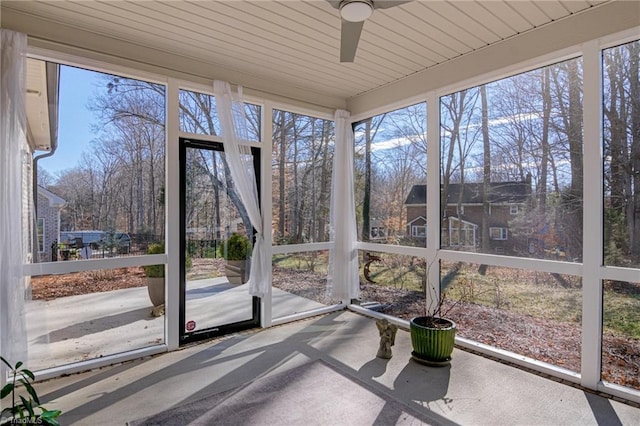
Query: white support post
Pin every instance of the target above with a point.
(172, 218)
(266, 190)
(433, 193)
(592, 217)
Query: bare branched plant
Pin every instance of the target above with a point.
(435, 309)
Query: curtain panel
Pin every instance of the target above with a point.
(343, 283)
(233, 123)
(13, 134)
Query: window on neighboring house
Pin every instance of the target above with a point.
(40, 233)
(377, 232)
(419, 231)
(513, 210)
(498, 233)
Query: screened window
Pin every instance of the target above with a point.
(511, 309)
(390, 175)
(101, 194)
(511, 153)
(621, 108)
(302, 167)
(109, 166)
(303, 277)
(198, 115)
(621, 146)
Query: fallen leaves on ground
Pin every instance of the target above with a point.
(47, 287)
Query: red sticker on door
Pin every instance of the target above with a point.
(191, 325)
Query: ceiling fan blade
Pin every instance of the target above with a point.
(377, 4)
(349, 38)
(386, 4)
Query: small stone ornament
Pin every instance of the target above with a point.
(387, 338)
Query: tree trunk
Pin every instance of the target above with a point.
(456, 107)
(544, 161)
(574, 133)
(486, 171)
(325, 187)
(634, 93)
(366, 202)
(282, 175)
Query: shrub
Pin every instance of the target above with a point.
(155, 271)
(237, 247)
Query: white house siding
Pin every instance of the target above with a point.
(49, 206)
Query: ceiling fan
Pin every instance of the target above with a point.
(353, 14)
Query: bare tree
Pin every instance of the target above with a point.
(567, 85)
(622, 154)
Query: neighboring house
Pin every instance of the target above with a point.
(47, 222)
(41, 107)
(462, 221)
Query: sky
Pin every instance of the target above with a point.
(75, 119)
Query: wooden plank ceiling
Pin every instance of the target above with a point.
(297, 42)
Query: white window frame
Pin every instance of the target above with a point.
(415, 231)
(514, 209)
(40, 234)
(503, 233)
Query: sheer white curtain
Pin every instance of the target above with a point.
(13, 125)
(343, 282)
(233, 123)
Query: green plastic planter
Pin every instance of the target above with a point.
(432, 344)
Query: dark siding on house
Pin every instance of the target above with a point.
(502, 196)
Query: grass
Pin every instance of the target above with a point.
(621, 310)
(538, 294)
(394, 271)
(541, 295)
(317, 262)
(525, 292)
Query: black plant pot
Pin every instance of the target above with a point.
(432, 339)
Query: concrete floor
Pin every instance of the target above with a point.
(471, 391)
(77, 328)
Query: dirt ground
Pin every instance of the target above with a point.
(549, 341)
(49, 287)
(544, 340)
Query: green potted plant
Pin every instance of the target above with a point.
(155, 276)
(432, 335)
(236, 251)
(23, 411)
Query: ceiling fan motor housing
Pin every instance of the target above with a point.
(356, 10)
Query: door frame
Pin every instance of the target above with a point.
(207, 333)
